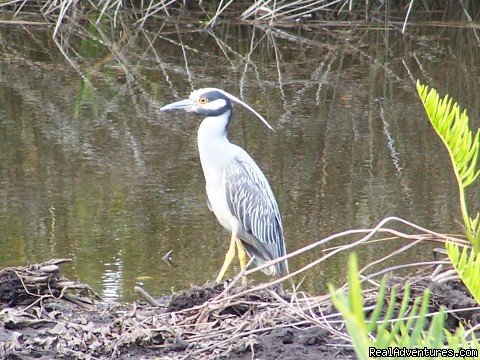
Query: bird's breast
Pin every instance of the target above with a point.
(216, 154)
(218, 202)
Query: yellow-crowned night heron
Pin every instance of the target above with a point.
(237, 191)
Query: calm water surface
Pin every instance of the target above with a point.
(91, 170)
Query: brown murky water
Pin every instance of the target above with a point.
(91, 170)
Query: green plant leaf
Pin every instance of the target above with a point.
(406, 330)
(372, 324)
(467, 265)
(351, 308)
(451, 125)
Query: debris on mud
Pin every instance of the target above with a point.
(44, 316)
(27, 285)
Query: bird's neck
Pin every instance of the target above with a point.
(213, 144)
(213, 129)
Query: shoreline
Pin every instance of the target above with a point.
(49, 316)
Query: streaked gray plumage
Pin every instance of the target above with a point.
(237, 191)
(251, 200)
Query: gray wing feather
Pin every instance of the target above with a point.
(251, 200)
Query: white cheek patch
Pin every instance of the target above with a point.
(214, 105)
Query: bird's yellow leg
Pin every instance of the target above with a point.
(242, 256)
(228, 257)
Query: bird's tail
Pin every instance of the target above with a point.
(282, 268)
(278, 269)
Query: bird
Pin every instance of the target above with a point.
(238, 192)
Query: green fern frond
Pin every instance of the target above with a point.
(460, 340)
(467, 265)
(386, 332)
(463, 147)
(409, 332)
(351, 308)
(452, 127)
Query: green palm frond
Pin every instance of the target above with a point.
(463, 147)
(467, 265)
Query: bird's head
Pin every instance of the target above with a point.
(207, 102)
(210, 102)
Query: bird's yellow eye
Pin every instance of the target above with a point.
(203, 100)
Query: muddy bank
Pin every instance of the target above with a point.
(45, 316)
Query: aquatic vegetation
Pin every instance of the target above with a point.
(452, 126)
(211, 12)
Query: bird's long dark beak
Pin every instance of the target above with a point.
(182, 104)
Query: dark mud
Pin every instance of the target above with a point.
(44, 316)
